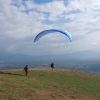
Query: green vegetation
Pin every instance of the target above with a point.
(44, 84)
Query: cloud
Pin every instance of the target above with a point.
(22, 20)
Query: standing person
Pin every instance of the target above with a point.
(52, 65)
(26, 70)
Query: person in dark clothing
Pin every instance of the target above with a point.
(26, 70)
(52, 65)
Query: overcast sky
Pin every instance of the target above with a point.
(22, 20)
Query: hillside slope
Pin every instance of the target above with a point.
(45, 84)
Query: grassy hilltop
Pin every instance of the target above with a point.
(45, 84)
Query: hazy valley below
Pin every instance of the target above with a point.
(87, 61)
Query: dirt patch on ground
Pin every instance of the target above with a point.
(51, 95)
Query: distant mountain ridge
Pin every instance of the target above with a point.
(79, 55)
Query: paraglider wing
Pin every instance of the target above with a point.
(51, 31)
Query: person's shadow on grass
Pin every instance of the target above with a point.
(1, 72)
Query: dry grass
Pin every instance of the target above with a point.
(45, 84)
